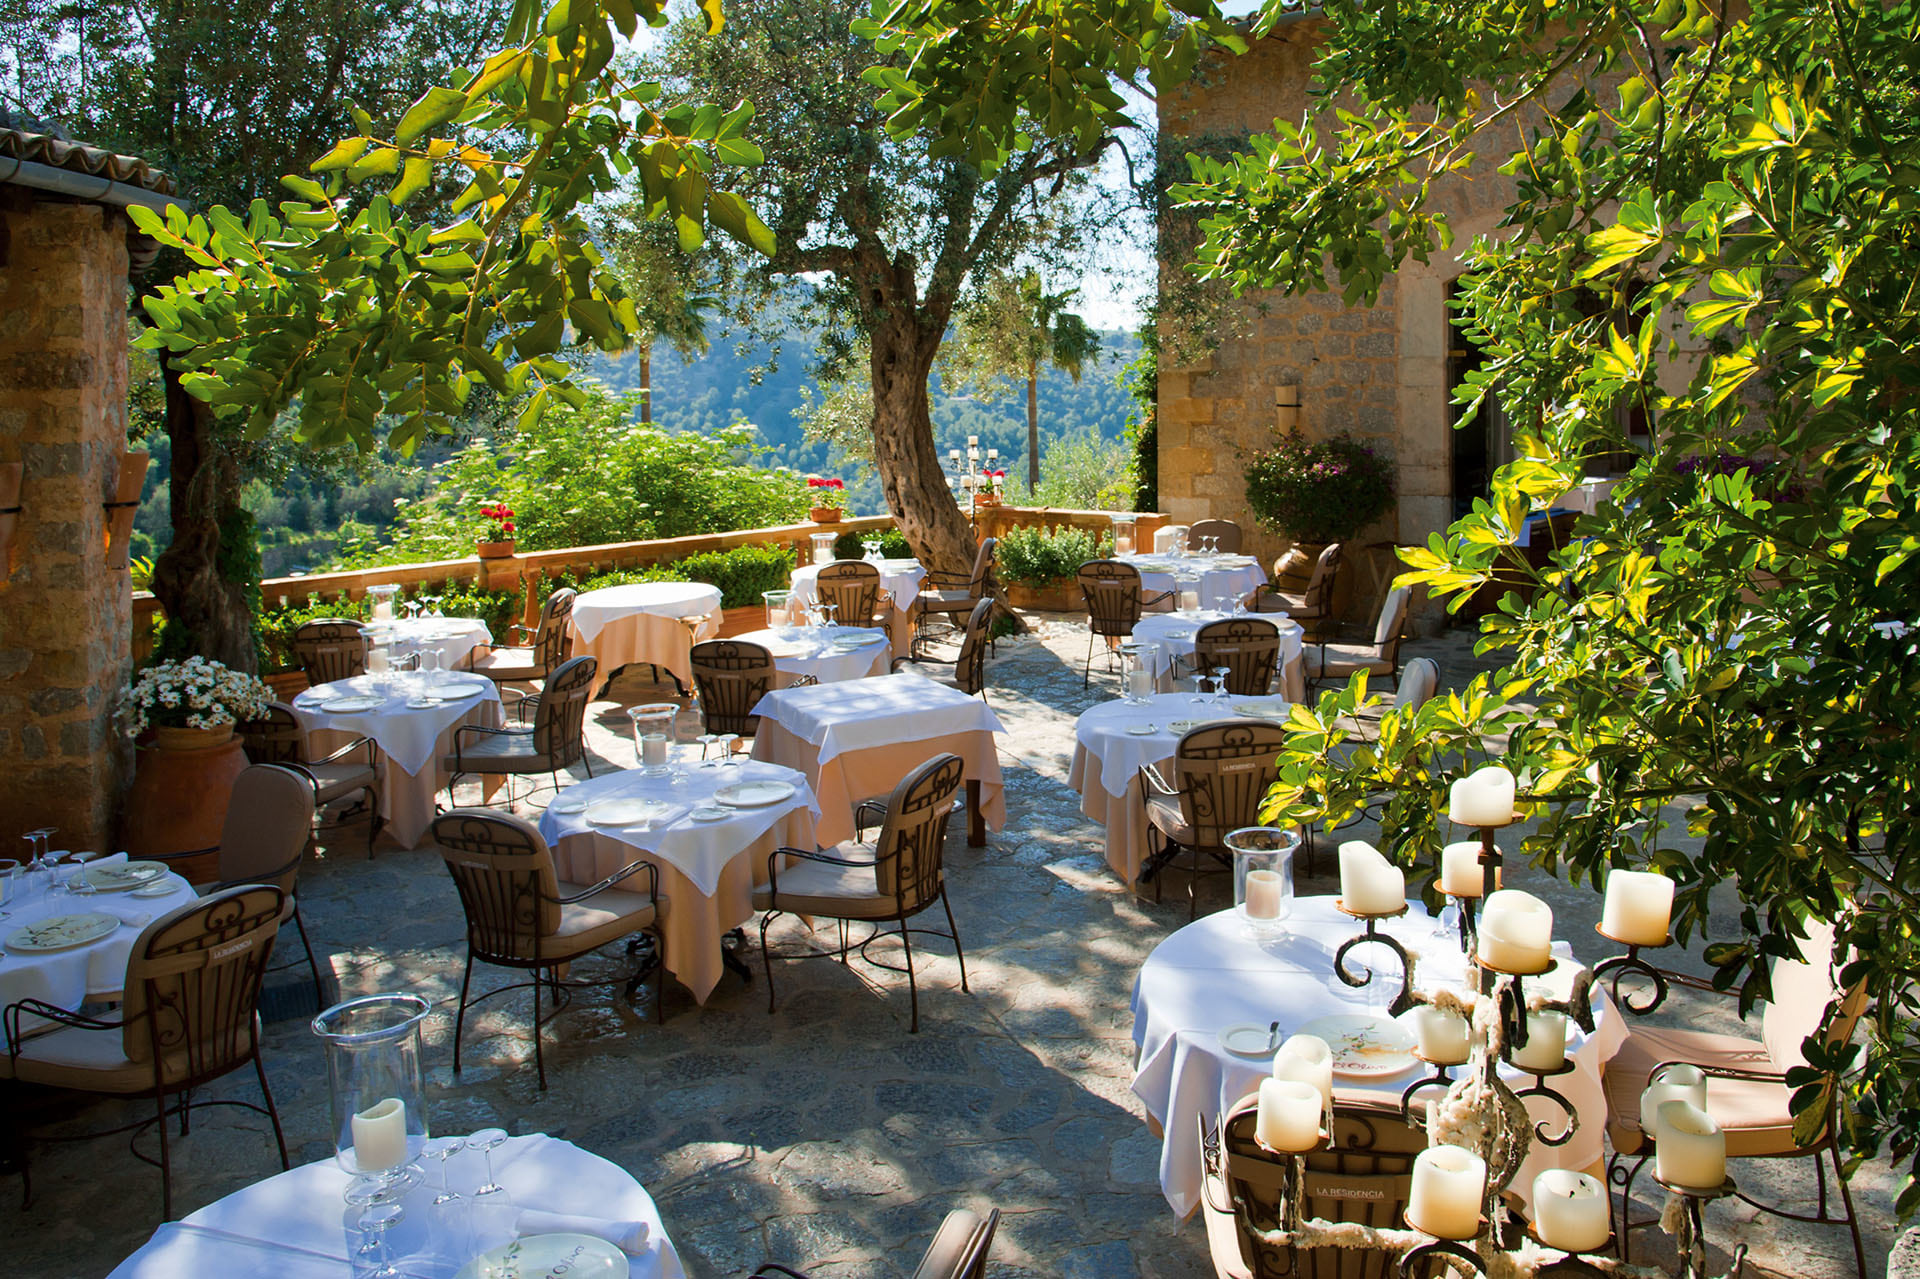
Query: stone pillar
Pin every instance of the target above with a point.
(64, 618)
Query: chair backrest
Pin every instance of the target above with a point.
(1319, 593)
(560, 723)
(1418, 682)
(1248, 647)
(1165, 536)
(853, 587)
(1390, 624)
(503, 871)
(1112, 591)
(269, 821)
(982, 566)
(193, 984)
(1224, 771)
(731, 676)
(276, 737)
(970, 668)
(1803, 991)
(907, 854)
(1226, 530)
(959, 1248)
(553, 636)
(330, 648)
(1365, 1176)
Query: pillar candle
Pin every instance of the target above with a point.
(1483, 799)
(1140, 683)
(972, 440)
(1516, 932)
(377, 660)
(1546, 1046)
(1369, 884)
(1444, 1037)
(1448, 1184)
(1676, 1083)
(1570, 1211)
(1460, 870)
(653, 750)
(1263, 895)
(1289, 1115)
(1639, 907)
(1689, 1148)
(1306, 1059)
(380, 1135)
(383, 610)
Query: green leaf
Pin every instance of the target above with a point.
(433, 108)
(305, 188)
(414, 177)
(343, 154)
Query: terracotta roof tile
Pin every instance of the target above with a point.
(41, 148)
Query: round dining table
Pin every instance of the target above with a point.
(1215, 974)
(449, 639)
(412, 719)
(900, 579)
(1172, 636)
(1214, 577)
(830, 654)
(655, 623)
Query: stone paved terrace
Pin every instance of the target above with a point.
(824, 1135)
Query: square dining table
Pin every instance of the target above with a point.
(856, 740)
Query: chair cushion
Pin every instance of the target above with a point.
(608, 915)
(509, 663)
(498, 753)
(1343, 659)
(87, 1060)
(331, 781)
(947, 601)
(820, 888)
(1754, 1115)
(1164, 815)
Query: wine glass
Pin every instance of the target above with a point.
(77, 882)
(451, 1214)
(728, 763)
(492, 1209)
(374, 1201)
(9, 881)
(1220, 674)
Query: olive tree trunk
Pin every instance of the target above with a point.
(904, 448)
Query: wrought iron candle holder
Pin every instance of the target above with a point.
(1415, 1260)
(1691, 1239)
(1440, 1078)
(1373, 936)
(1576, 1265)
(1491, 861)
(1620, 967)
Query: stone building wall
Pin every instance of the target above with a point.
(64, 618)
(1377, 372)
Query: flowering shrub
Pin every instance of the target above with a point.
(1319, 490)
(830, 493)
(500, 516)
(996, 482)
(195, 693)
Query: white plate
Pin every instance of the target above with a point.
(626, 812)
(568, 802)
(62, 932)
(1142, 730)
(119, 878)
(424, 703)
(1364, 1046)
(709, 814)
(358, 703)
(548, 1257)
(1250, 1040)
(1180, 726)
(161, 889)
(1262, 710)
(753, 794)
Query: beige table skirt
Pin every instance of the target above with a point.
(852, 776)
(1123, 816)
(694, 922)
(665, 642)
(407, 799)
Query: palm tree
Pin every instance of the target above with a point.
(664, 283)
(1013, 328)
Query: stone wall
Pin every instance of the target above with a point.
(63, 616)
(1377, 372)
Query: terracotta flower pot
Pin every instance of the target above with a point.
(168, 738)
(178, 802)
(825, 514)
(494, 550)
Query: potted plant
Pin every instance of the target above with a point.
(1037, 567)
(496, 543)
(992, 487)
(193, 703)
(1317, 492)
(829, 499)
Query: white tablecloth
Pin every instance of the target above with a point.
(451, 637)
(1212, 974)
(883, 711)
(1234, 576)
(1172, 636)
(1104, 731)
(594, 609)
(901, 578)
(291, 1226)
(66, 978)
(642, 622)
(806, 651)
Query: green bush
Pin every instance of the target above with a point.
(741, 573)
(276, 623)
(1033, 557)
(893, 545)
(1319, 490)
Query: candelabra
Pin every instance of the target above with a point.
(965, 475)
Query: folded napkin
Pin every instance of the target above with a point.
(628, 1236)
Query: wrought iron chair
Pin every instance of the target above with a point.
(189, 1016)
(521, 915)
(853, 588)
(958, 1251)
(1313, 607)
(1327, 662)
(1248, 647)
(1226, 531)
(954, 596)
(540, 652)
(731, 676)
(1223, 770)
(970, 664)
(1364, 1176)
(887, 882)
(556, 739)
(1114, 599)
(277, 738)
(330, 648)
(1747, 1090)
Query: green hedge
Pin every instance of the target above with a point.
(276, 623)
(893, 545)
(1032, 557)
(741, 574)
